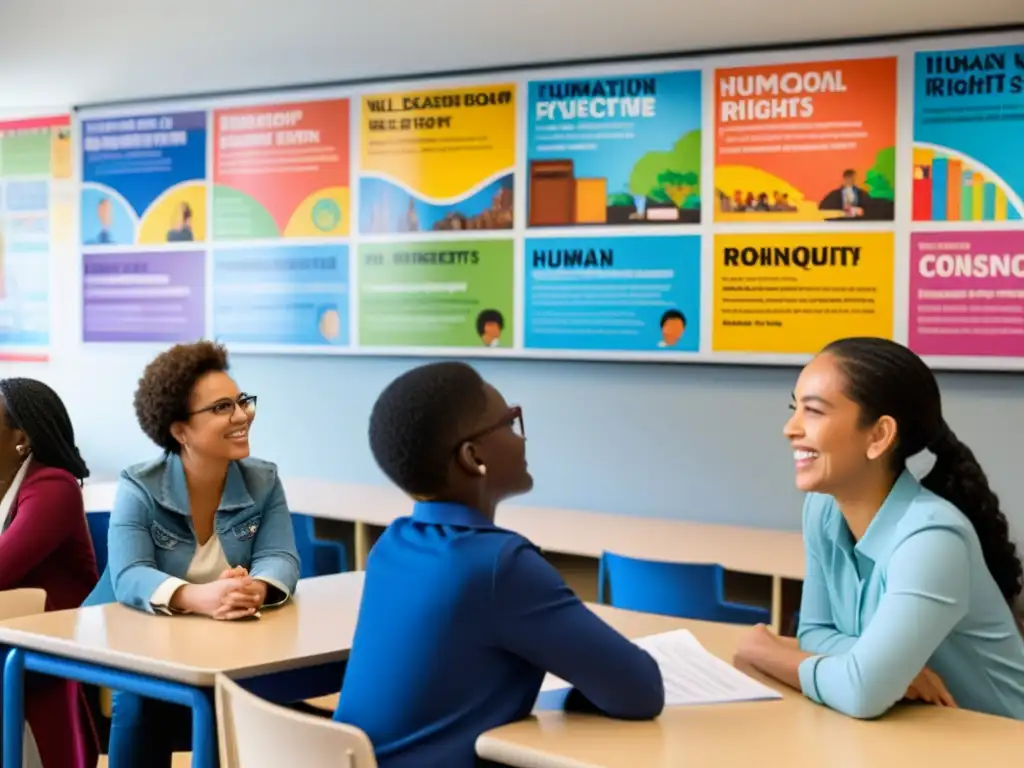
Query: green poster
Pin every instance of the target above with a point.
(25, 153)
(436, 294)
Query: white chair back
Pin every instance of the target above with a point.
(253, 733)
(15, 603)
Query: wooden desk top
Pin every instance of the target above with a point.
(317, 627)
(794, 732)
(749, 550)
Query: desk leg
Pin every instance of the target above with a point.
(777, 604)
(14, 709)
(204, 733)
(204, 729)
(361, 545)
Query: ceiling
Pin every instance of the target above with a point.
(59, 52)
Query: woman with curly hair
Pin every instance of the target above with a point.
(910, 584)
(204, 529)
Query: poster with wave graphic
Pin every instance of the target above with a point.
(281, 171)
(440, 160)
(144, 179)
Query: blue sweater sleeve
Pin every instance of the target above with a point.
(817, 632)
(543, 621)
(926, 596)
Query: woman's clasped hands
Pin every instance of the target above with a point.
(234, 595)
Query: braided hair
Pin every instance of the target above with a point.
(887, 379)
(38, 411)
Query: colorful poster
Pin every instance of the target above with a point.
(436, 294)
(144, 179)
(281, 170)
(33, 154)
(144, 296)
(967, 294)
(613, 151)
(283, 295)
(968, 123)
(814, 141)
(794, 293)
(438, 160)
(631, 294)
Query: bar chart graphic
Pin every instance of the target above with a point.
(949, 186)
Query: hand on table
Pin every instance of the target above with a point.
(245, 600)
(235, 595)
(929, 688)
(752, 641)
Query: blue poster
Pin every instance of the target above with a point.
(968, 123)
(295, 295)
(627, 294)
(144, 180)
(615, 151)
(24, 264)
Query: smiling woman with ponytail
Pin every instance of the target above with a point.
(910, 584)
(45, 544)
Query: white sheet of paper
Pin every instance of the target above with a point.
(692, 675)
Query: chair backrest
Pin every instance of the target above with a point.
(21, 602)
(98, 523)
(254, 733)
(673, 589)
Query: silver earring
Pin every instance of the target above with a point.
(21, 450)
(481, 469)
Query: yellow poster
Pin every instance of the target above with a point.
(794, 293)
(440, 160)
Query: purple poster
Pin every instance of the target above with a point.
(144, 296)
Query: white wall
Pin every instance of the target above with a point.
(690, 441)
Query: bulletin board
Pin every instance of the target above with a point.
(743, 209)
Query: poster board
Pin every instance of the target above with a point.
(36, 210)
(742, 209)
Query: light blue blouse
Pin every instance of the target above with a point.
(913, 592)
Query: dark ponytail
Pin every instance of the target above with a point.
(958, 478)
(887, 379)
(38, 411)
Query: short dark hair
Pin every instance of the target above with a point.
(418, 420)
(673, 314)
(38, 411)
(887, 379)
(162, 397)
(489, 316)
(849, 172)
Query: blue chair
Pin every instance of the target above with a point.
(98, 523)
(684, 590)
(319, 557)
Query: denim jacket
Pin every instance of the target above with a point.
(151, 535)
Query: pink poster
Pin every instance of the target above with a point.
(967, 294)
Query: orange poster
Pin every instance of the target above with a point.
(814, 141)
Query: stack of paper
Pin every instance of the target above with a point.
(692, 675)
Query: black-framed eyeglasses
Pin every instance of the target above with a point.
(226, 406)
(513, 418)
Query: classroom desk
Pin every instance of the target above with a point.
(777, 554)
(794, 732)
(284, 653)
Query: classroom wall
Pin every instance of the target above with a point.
(694, 442)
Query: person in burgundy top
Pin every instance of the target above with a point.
(45, 543)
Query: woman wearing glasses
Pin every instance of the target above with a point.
(488, 614)
(204, 529)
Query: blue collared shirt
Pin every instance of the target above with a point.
(151, 536)
(458, 624)
(913, 592)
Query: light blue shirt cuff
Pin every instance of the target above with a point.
(808, 670)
